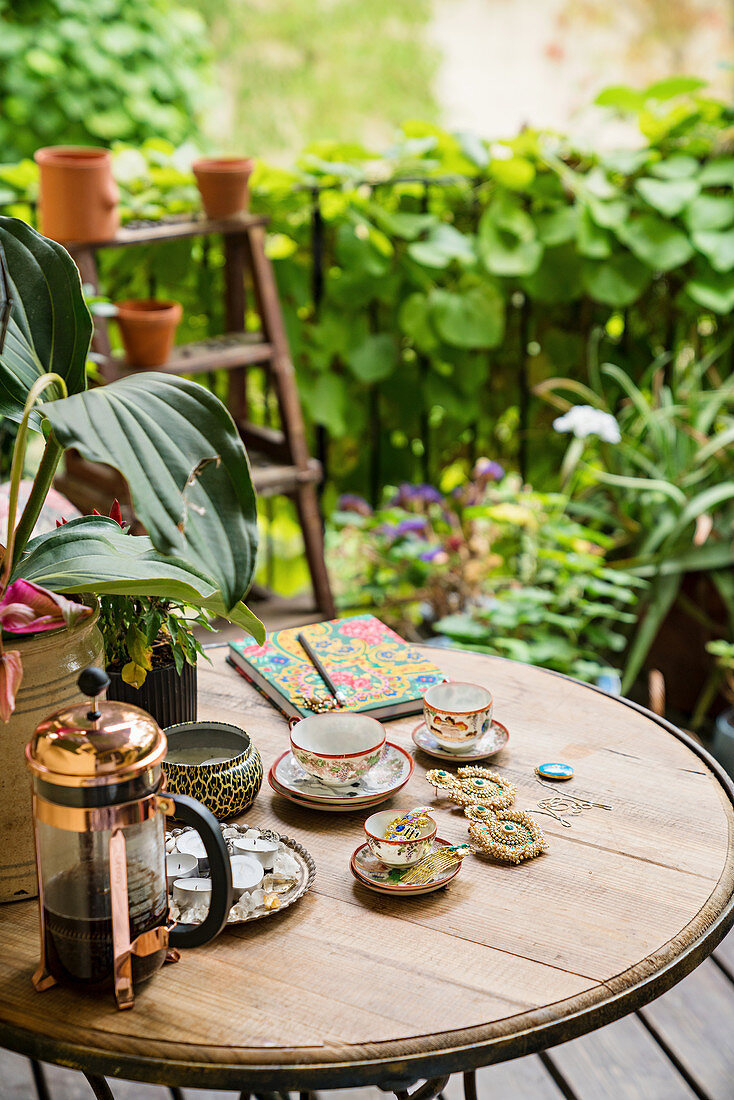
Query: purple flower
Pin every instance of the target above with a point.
(487, 470)
(408, 494)
(428, 493)
(351, 502)
(433, 553)
(410, 526)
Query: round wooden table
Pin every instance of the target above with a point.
(351, 987)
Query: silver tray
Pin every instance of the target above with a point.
(304, 859)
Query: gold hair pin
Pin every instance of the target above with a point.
(442, 859)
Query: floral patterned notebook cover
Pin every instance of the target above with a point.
(371, 665)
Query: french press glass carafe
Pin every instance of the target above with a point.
(99, 816)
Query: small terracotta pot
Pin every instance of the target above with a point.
(222, 183)
(148, 328)
(78, 196)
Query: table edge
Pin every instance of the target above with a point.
(397, 1061)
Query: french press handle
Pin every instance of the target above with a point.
(205, 823)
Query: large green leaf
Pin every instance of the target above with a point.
(93, 554)
(668, 196)
(656, 242)
(442, 246)
(618, 281)
(474, 318)
(712, 290)
(177, 446)
(504, 254)
(710, 212)
(50, 327)
(374, 359)
(717, 247)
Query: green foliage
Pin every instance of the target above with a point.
(450, 263)
(139, 631)
(665, 492)
(495, 567)
(91, 73)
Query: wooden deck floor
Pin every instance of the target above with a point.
(678, 1048)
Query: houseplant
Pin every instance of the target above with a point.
(173, 441)
(151, 654)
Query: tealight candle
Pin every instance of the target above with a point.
(247, 874)
(179, 865)
(192, 844)
(264, 851)
(192, 891)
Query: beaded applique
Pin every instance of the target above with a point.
(472, 785)
(509, 835)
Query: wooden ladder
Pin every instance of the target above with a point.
(280, 460)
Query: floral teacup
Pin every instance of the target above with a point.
(457, 714)
(337, 748)
(397, 852)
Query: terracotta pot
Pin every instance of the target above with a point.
(166, 696)
(148, 328)
(51, 664)
(222, 183)
(78, 196)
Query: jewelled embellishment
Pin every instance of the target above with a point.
(555, 771)
(474, 784)
(508, 835)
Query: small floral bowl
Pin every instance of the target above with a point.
(397, 852)
(337, 748)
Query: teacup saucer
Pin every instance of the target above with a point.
(392, 772)
(488, 744)
(375, 875)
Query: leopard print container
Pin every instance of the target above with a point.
(214, 762)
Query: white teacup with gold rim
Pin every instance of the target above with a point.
(337, 747)
(457, 714)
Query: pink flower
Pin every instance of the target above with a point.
(27, 608)
(11, 674)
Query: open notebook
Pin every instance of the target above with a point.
(373, 668)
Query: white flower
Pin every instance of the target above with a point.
(585, 420)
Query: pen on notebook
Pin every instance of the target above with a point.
(307, 648)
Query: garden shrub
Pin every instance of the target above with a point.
(75, 72)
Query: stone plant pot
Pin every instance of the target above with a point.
(78, 196)
(148, 329)
(51, 665)
(222, 183)
(167, 697)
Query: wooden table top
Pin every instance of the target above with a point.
(350, 987)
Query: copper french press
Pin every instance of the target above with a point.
(99, 813)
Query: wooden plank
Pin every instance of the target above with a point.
(724, 955)
(171, 229)
(226, 352)
(618, 1061)
(522, 1079)
(694, 1021)
(350, 976)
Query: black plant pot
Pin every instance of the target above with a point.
(169, 698)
